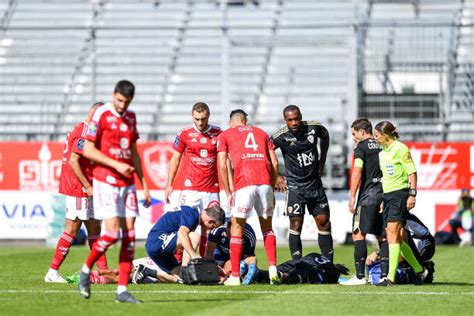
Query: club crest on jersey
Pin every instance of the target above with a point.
(311, 139)
(80, 144)
(92, 129)
(203, 153)
(203, 140)
(390, 169)
(124, 143)
(123, 127)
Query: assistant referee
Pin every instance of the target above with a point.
(399, 189)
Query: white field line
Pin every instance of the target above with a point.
(232, 292)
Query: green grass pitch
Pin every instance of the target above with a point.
(23, 292)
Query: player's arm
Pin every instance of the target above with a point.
(274, 166)
(137, 164)
(324, 149)
(211, 246)
(355, 183)
(77, 170)
(92, 153)
(185, 241)
(173, 170)
(413, 179)
(230, 172)
(224, 174)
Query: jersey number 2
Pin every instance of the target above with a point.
(250, 142)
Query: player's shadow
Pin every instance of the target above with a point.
(192, 300)
(453, 284)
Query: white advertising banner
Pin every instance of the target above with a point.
(29, 215)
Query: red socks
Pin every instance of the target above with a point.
(127, 251)
(269, 241)
(102, 261)
(100, 246)
(62, 249)
(202, 245)
(235, 254)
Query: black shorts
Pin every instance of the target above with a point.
(368, 219)
(395, 206)
(315, 201)
(423, 248)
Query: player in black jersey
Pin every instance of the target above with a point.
(366, 178)
(298, 142)
(312, 268)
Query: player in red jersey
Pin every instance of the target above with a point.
(76, 184)
(196, 151)
(111, 144)
(255, 170)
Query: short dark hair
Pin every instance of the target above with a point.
(97, 104)
(125, 88)
(216, 213)
(201, 107)
(362, 124)
(387, 128)
(238, 112)
(290, 108)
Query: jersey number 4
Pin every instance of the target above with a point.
(250, 142)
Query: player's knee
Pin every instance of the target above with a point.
(296, 223)
(324, 225)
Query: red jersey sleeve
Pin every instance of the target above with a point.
(179, 142)
(222, 143)
(270, 144)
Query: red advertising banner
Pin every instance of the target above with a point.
(444, 166)
(37, 166)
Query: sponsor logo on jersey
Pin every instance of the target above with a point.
(305, 159)
(80, 144)
(293, 139)
(124, 143)
(188, 183)
(193, 134)
(92, 129)
(123, 127)
(390, 169)
(203, 153)
(252, 156)
(110, 180)
(111, 119)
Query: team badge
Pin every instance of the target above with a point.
(203, 140)
(123, 127)
(407, 158)
(203, 153)
(311, 139)
(92, 130)
(390, 170)
(124, 143)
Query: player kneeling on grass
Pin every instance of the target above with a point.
(311, 269)
(173, 232)
(218, 249)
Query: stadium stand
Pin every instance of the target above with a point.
(408, 61)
